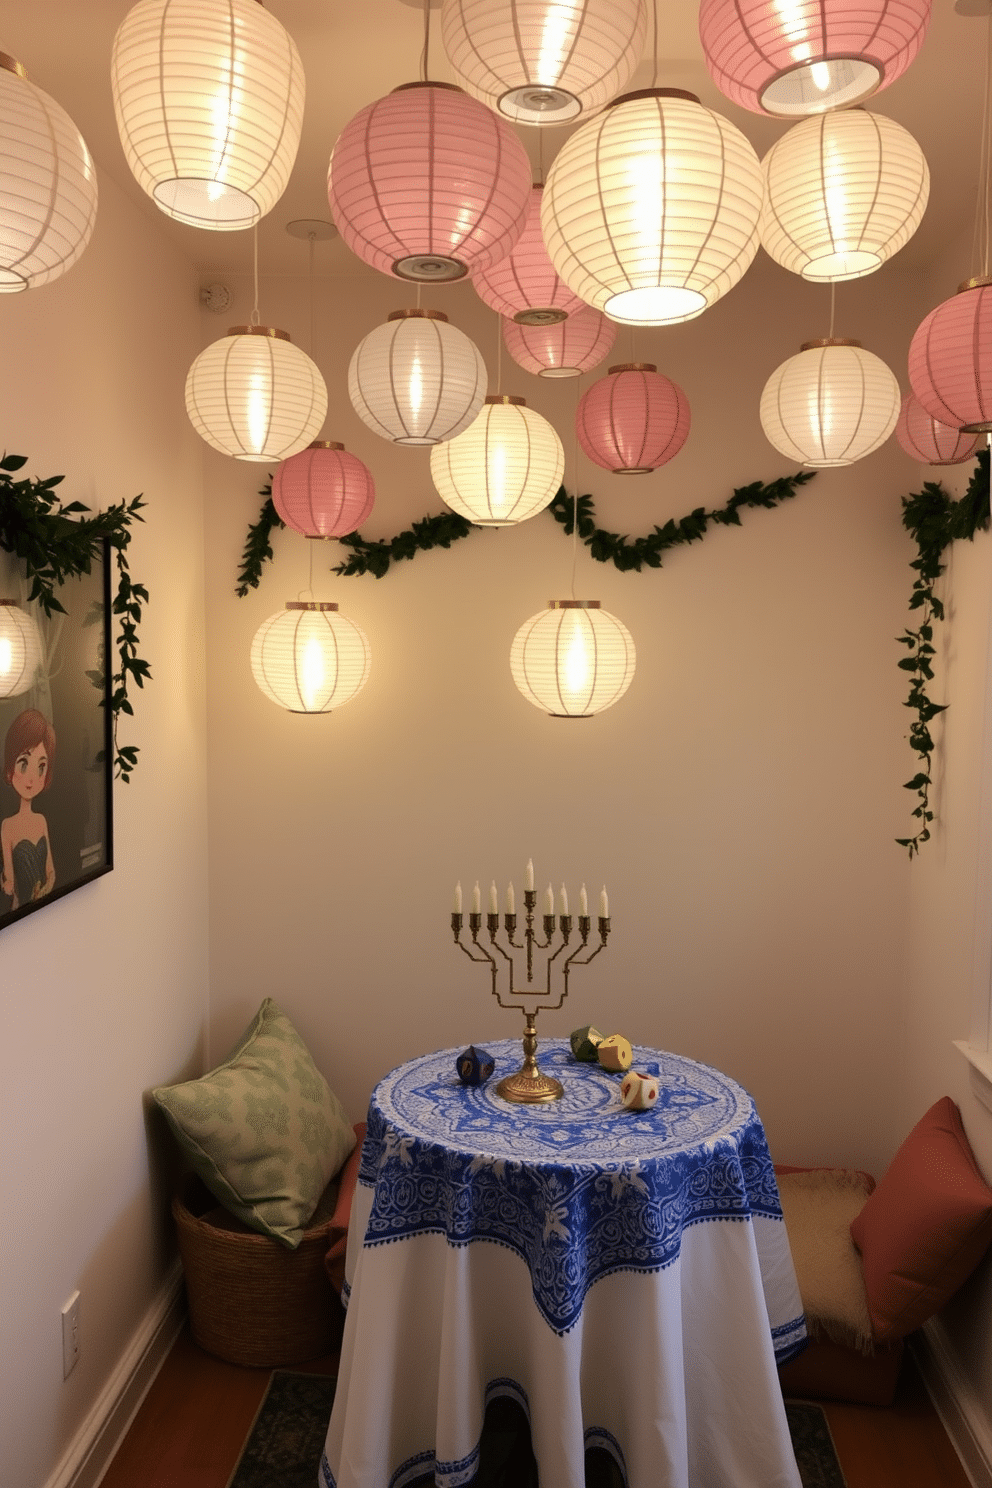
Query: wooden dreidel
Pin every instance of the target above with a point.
(585, 1042)
(639, 1092)
(615, 1053)
(474, 1065)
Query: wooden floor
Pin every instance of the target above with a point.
(194, 1420)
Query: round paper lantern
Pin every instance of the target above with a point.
(633, 420)
(428, 184)
(541, 63)
(930, 442)
(323, 491)
(843, 193)
(566, 348)
(507, 465)
(573, 659)
(209, 102)
(650, 211)
(832, 404)
(255, 395)
(48, 187)
(950, 359)
(308, 658)
(20, 649)
(808, 56)
(523, 286)
(417, 379)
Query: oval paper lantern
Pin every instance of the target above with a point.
(843, 193)
(650, 212)
(48, 190)
(929, 441)
(565, 349)
(255, 395)
(950, 359)
(808, 56)
(544, 63)
(417, 379)
(323, 491)
(832, 404)
(428, 184)
(523, 286)
(506, 467)
(308, 658)
(633, 420)
(573, 659)
(20, 649)
(209, 102)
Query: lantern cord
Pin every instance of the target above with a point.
(540, 157)
(309, 587)
(575, 482)
(499, 354)
(255, 317)
(311, 239)
(980, 244)
(427, 40)
(654, 73)
(419, 288)
(833, 301)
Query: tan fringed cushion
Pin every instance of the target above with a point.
(819, 1205)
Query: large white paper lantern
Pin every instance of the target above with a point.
(48, 190)
(843, 193)
(650, 212)
(308, 658)
(544, 61)
(417, 379)
(209, 102)
(506, 466)
(255, 395)
(832, 404)
(20, 649)
(573, 659)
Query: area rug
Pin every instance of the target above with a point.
(286, 1439)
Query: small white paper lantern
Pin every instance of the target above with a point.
(255, 395)
(20, 649)
(573, 659)
(48, 190)
(417, 380)
(308, 658)
(506, 467)
(832, 404)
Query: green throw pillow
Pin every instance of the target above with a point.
(264, 1130)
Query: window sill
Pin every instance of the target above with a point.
(981, 1071)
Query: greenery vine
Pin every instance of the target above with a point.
(56, 543)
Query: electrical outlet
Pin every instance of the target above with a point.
(70, 1335)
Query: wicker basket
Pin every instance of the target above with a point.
(252, 1301)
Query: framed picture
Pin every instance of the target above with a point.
(56, 747)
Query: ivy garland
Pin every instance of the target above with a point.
(56, 543)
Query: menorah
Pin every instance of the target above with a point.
(528, 1086)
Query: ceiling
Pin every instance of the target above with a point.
(354, 53)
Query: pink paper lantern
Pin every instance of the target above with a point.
(564, 349)
(323, 491)
(523, 286)
(809, 56)
(950, 359)
(929, 441)
(633, 420)
(429, 184)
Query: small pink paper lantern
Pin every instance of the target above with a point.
(930, 442)
(564, 349)
(523, 286)
(633, 420)
(323, 491)
(429, 184)
(809, 56)
(950, 359)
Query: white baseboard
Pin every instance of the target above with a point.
(89, 1453)
(964, 1416)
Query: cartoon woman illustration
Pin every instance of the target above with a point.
(29, 754)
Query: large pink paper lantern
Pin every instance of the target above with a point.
(929, 441)
(523, 286)
(566, 348)
(950, 359)
(633, 420)
(428, 184)
(809, 56)
(323, 491)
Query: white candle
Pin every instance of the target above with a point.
(604, 905)
(549, 900)
(583, 902)
(529, 875)
(562, 901)
(457, 904)
(493, 898)
(476, 899)
(511, 902)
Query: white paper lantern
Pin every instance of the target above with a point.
(650, 212)
(544, 63)
(843, 193)
(20, 649)
(255, 395)
(506, 467)
(48, 190)
(209, 102)
(832, 404)
(417, 379)
(308, 658)
(573, 659)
